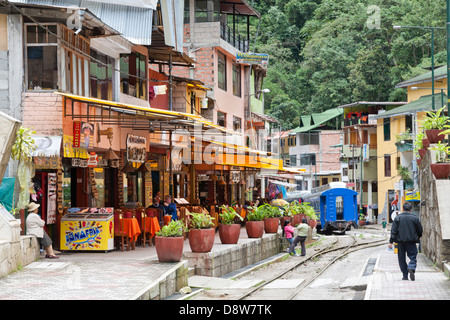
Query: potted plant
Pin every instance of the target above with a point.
(272, 219)
(441, 169)
(169, 242)
(201, 232)
(405, 175)
(255, 222)
(362, 219)
(434, 124)
(311, 214)
(228, 230)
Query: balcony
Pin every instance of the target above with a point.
(405, 145)
(236, 40)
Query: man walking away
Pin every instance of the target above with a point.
(406, 231)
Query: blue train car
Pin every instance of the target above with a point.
(336, 208)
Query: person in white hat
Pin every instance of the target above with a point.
(35, 226)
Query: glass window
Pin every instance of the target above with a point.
(222, 71)
(101, 76)
(387, 165)
(237, 80)
(387, 129)
(221, 119)
(207, 10)
(133, 75)
(236, 123)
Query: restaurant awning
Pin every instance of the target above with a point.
(136, 117)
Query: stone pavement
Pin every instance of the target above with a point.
(386, 282)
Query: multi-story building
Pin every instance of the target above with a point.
(397, 129)
(315, 147)
(360, 145)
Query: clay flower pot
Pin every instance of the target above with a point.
(422, 153)
(434, 135)
(271, 225)
(255, 229)
(426, 143)
(229, 233)
(201, 240)
(169, 249)
(440, 170)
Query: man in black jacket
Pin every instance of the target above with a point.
(406, 231)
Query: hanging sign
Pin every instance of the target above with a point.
(252, 58)
(76, 134)
(136, 148)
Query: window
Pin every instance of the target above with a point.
(42, 58)
(236, 123)
(221, 119)
(222, 71)
(308, 159)
(237, 80)
(409, 122)
(339, 208)
(387, 129)
(133, 75)
(57, 64)
(101, 74)
(387, 165)
(187, 11)
(207, 10)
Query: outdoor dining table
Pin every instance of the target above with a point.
(152, 224)
(131, 228)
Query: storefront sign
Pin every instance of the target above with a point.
(93, 160)
(413, 195)
(136, 148)
(47, 162)
(253, 58)
(76, 134)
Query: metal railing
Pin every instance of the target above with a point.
(239, 42)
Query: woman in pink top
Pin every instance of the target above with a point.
(288, 231)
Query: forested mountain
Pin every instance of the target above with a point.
(325, 53)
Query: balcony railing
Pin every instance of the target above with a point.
(236, 40)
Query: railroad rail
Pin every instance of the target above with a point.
(338, 245)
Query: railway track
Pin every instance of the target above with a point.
(322, 260)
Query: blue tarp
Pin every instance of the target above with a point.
(7, 192)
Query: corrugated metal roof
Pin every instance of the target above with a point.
(133, 22)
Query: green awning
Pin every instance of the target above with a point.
(421, 104)
(318, 120)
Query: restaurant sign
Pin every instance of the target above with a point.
(253, 58)
(136, 148)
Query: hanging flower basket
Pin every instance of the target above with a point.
(440, 170)
(426, 143)
(422, 153)
(434, 135)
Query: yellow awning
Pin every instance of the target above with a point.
(151, 113)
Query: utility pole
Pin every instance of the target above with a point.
(448, 55)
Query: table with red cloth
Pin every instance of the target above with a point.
(131, 228)
(152, 225)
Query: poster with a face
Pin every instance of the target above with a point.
(87, 135)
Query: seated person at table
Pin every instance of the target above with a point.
(171, 207)
(156, 204)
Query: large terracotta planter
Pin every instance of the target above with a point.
(440, 170)
(201, 240)
(297, 220)
(169, 249)
(312, 223)
(434, 135)
(271, 225)
(426, 143)
(229, 233)
(255, 229)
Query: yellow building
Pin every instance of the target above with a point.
(395, 146)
